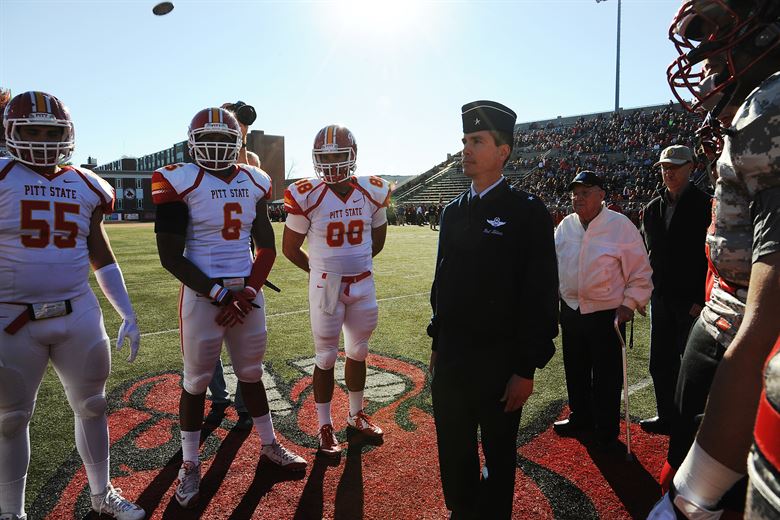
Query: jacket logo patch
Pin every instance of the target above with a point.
(496, 222)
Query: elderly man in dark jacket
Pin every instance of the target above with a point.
(674, 228)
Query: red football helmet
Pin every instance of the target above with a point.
(214, 155)
(334, 139)
(730, 34)
(38, 109)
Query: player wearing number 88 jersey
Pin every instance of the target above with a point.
(206, 213)
(344, 219)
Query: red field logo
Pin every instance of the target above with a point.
(557, 478)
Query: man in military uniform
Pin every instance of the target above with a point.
(737, 328)
(494, 300)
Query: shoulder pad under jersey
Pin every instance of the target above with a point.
(99, 187)
(303, 196)
(170, 183)
(755, 147)
(259, 178)
(376, 189)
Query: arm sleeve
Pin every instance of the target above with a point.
(538, 310)
(765, 212)
(172, 217)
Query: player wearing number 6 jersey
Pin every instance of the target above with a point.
(344, 219)
(206, 212)
(51, 231)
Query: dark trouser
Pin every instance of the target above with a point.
(701, 359)
(670, 324)
(463, 400)
(594, 368)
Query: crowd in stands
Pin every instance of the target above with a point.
(621, 147)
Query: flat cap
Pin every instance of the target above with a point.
(487, 115)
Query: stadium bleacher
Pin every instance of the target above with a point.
(620, 146)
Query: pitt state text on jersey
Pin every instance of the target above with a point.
(339, 226)
(221, 213)
(44, 225)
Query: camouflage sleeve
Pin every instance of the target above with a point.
(765, 213)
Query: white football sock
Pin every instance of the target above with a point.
(355, 402)
(323, 413)
(190, 446)
(97, 475)
(265, 427)
(12, 496)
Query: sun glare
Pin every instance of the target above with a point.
(379, 18)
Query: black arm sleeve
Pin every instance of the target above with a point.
(172, 217)
(538, 316)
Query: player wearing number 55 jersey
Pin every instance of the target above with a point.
(206, 212)
(344, 219)
(51, 231)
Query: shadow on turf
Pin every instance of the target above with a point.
(266, 475)
(632, 484)
(349, 492)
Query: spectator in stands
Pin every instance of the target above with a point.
(5, 97)
(674, 227)
(220, 397)
(494, 318)
(605, 276)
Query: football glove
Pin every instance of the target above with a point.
(129, 330)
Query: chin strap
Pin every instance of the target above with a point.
(264, 260)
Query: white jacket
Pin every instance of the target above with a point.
(604, 266)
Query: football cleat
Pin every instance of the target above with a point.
(282, 457)
(11, 516)
(362, 423)
(111, 502)
(329, 444)
(188, 484)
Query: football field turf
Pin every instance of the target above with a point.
(403, 273)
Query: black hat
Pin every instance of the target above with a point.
(487, 115)
(586, 178)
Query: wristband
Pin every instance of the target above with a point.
(218, 293)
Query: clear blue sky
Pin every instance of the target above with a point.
(396, 72)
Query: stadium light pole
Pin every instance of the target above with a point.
(617, 60)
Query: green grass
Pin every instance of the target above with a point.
(404, 271)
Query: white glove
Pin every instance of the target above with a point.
(129, 329)
(112, 283)
(665, 510)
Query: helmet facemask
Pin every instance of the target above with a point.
(40, 153)
(713, 30)
(214, 155)
(333, 172)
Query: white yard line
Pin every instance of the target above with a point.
(640, 385)
(291, 313)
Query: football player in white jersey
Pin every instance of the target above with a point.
(51, 231)
(206, 212)
(344, 219)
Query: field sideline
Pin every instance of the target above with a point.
(404, 271)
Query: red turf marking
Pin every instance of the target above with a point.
(397, 480)
(157, 435)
